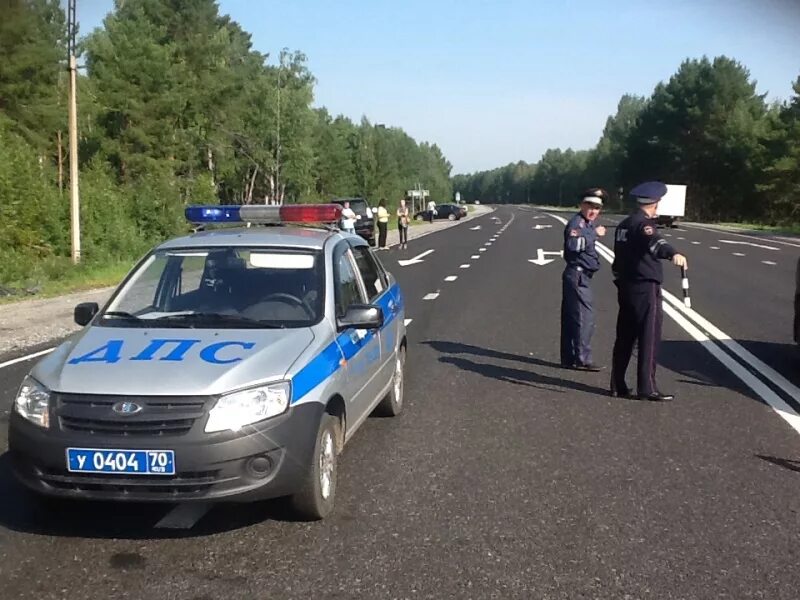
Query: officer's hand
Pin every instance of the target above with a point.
(679, 260)
(601, 230)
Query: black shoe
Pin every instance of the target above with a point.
(621, 392)
(588, 367)
(656, 397)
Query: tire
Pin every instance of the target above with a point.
(451, 217)
(418, 218)
(315, 499)
(392, 404)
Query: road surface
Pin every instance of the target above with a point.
(506, 476)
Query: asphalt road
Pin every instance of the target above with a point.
(506, 476)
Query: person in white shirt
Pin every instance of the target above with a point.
(431, 210)
(348, 219)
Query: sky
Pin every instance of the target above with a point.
(498, 81)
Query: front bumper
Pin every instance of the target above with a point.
(266, 460)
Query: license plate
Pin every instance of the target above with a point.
(127, 462)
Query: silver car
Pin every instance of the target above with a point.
(231, 364)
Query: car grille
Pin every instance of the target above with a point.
(183, 484)
(160, 415)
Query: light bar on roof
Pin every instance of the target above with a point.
(293, 213)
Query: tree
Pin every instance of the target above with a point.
(32, 71)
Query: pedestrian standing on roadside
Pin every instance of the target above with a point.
(383, 224)
(402, 224)
(580, 254)
(348, 219)
(638, 274)
(431, 210)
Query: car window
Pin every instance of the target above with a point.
(370, 272)
(347, 290)
(222, 287)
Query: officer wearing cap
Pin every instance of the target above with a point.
(638, 275)
(577, 318)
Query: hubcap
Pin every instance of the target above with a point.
(326, 465)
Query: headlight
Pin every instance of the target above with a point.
(33, 402)
(238, 409)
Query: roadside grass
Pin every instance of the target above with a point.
(73, 279)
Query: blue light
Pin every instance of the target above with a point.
(213, 214)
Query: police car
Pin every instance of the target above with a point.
(230, 364)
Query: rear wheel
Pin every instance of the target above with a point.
(451, 217)
(315, 500)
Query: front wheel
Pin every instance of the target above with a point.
(392, 404)
(315, 499)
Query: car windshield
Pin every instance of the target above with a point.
(222, 288)
(359, 206)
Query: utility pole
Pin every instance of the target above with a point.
(74, 197)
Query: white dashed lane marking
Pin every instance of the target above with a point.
(431, 296)
(464, 266)
(739, 254)
(475, 256)
(769, 262)
(451, 278)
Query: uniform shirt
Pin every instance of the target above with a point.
(638, 248)
(579, 239)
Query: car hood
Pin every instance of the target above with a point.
(112, 360)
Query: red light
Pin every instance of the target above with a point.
(310, 213)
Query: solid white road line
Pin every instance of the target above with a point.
(759, 387)
(748, 244)
(451, 278)
(14, 361)
(744, 235)
(431, 296)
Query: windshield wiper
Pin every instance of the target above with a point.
(121, 314)
(220, 318)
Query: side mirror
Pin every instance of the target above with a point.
(85, 312)
(361, 316)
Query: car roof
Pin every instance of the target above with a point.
(281, 235)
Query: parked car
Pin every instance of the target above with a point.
(365, 223)
(452, 212)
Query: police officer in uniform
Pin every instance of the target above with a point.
(577, 318)
(638, 275)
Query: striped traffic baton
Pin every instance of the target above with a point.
(687, 301)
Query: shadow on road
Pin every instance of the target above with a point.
(700, 369)
(26, 512)
(786, 463)
(508, 374)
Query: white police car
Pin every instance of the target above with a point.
(231, 364)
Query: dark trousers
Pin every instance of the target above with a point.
(382, 234)
(639, 320)
(403, 230)
(577, 318)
